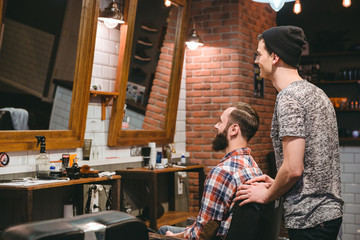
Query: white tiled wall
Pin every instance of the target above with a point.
(104, 71)
(59, 119)
(350, 177)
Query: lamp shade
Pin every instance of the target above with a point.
(111, 15)
(193, 41)
(276, 5)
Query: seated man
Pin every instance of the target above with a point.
(236, 126)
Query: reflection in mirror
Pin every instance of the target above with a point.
(37, 63)
(78, 76)
(150, 65)
(157, 123)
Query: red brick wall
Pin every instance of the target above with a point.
(221, 73)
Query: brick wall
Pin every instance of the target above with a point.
(221, 73)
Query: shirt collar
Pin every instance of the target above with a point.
(239, 151)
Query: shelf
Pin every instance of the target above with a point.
(349, 141)
(347, 110)
(338, 82)
(105, 99)
(331, 54)
(173, 217)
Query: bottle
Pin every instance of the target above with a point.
(42, 161)
(183, 158)
(153, 153)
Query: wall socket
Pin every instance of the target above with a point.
(180, 182)
(180, 186)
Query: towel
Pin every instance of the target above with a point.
(19, 117)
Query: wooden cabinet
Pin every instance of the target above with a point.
(150, 177)
(338, 74)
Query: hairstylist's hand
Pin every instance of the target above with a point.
(263, 178)
(254, 190)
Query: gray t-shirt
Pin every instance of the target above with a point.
(303, 110)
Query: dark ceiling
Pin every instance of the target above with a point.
(327, 24)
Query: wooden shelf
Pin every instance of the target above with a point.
(347, 110)
(331, 54)
(338, 82)
(105, 99)
(349, 141)
(173, 217)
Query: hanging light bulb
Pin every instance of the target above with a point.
(346, 3)
(111, 15)
(193, 41)
(276, 5)
(167, 3)
(297, 7)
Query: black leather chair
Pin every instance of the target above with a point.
(255, 221)
(114, 224)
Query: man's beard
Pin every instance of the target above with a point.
(220, 141)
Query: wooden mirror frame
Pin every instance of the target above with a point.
(119, 137)
(74, 136)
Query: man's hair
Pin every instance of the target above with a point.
(267, 47)
(246, 117)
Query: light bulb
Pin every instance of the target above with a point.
(297, 7)
(167, 3)
(277, 4)
(193, 45)
(110, 22)
(346, 3)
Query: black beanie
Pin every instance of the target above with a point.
(287, 42)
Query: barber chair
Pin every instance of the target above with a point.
(107, 225)
(255, 221)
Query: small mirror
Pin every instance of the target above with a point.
(149, 73)
(46, 52)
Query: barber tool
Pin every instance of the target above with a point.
(4, 159)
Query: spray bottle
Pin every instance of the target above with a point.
(42, 161)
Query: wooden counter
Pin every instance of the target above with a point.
(20, 204)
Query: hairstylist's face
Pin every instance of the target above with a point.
(264, 60)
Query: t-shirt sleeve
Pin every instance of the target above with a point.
(291, 118)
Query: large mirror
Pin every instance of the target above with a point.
(149, 73)
(46, 55)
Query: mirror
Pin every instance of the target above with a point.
(149, 73)
(66, 65)
(37, 63)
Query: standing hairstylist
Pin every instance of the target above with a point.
(305, 140)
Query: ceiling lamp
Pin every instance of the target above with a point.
(193, 41)
(346, 3)
(111, 15)
(167, 3)
(297, 7)
(275, 4)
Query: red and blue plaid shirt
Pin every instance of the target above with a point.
(220, 188)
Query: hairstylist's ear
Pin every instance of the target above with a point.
(275, 58)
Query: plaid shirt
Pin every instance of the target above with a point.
(219, 191)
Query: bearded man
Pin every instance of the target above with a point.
(236, 126)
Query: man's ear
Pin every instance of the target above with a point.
(275, 58)
(234, 130)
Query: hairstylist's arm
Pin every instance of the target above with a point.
(289, 172)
